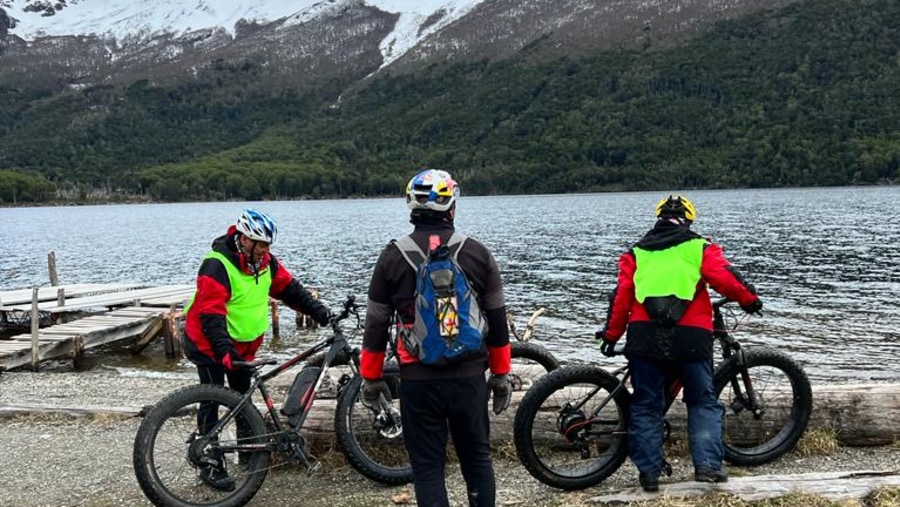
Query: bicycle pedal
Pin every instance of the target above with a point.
(667, 468)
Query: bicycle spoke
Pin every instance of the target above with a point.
(751, 424)
(575, 442)
(377, 438)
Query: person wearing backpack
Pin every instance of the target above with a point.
(229, 314)
(662, 299)
(446, 290)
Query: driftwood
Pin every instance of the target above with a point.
(861, 415)
(831, 485)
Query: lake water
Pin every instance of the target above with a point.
(825, 260)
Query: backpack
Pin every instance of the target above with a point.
(448, 320)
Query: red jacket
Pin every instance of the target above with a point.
(691, 337)
(206, 331)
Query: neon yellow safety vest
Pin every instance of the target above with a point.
(247, 312)
(674, 271)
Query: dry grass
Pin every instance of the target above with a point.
(886, 497)
(818, 442)
(677, 447)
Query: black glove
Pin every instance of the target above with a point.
(501, 390)
(324, 316)
(370, 392)
(607, 348)
(754, 307)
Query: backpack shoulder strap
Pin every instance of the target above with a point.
(411, 252)
(456, 242)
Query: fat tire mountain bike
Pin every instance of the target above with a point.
(373, 442)
(170, 450)
(571, 428)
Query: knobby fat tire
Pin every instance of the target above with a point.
(555, 381)
(178, 404)
(801, 407)
(534, 352)
(367, 465)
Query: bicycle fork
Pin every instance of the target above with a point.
(744, 393)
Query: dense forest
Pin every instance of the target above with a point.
(805, 96)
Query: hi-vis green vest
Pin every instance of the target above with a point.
(247, 312)
(674, 271)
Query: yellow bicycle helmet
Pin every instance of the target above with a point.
(676, 206)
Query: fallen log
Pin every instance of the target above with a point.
(859, 414)
(831, 485)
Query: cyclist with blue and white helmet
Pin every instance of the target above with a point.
(229, 314)
(448, 399)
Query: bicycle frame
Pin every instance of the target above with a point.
(730, 347)
(336, 344)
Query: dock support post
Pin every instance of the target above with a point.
(35, 325)
(78, 353)
(51, 266)
(171, 336)
(306, 321)
(61, 297)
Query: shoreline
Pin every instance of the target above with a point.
(86, 460)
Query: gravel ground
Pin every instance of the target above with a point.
(86, 461)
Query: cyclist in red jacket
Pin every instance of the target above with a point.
(229, 315)
(662, 300)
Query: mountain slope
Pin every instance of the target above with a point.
(308, 42)
(805, 95)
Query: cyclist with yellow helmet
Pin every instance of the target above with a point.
(662, 302)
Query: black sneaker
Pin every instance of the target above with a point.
(216, 477)
(710, 475)
(650, 484)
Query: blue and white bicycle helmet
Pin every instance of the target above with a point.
(257, 226)
(432, 189)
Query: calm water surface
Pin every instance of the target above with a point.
(824, 260)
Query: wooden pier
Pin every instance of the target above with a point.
(67, 320)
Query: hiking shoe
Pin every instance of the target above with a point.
(216, 477)
(710, 475)
(649, 483)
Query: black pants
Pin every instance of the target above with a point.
(239, 380)
(428, 409)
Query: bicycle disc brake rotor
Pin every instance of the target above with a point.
(516, 381)
(388, 424)
(203, 451)
(570, 424)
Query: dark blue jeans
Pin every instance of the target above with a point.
(429, 408)
(650, 379)
(239, 380)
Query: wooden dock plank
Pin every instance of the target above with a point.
(23, 296)
(57, 341)
(109, 299)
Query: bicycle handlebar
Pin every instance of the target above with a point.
(350, 307)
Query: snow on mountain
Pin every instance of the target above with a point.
(136, 20)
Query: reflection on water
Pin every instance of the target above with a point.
(823, 260)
